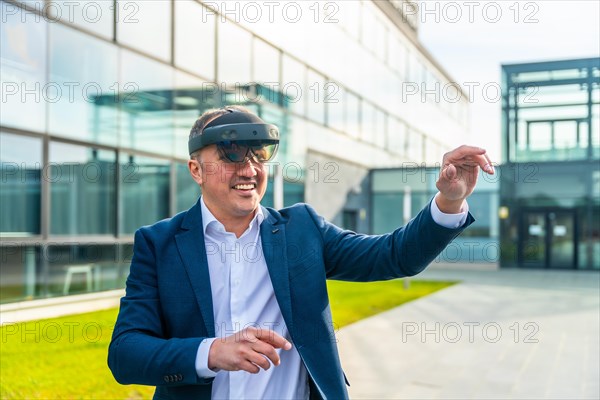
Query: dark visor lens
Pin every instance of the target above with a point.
(241, 151)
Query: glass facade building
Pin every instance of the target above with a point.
(98, 99)
(550, 184)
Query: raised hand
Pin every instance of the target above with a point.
(458, 176)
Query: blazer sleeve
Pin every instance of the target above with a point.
(403, 252)
(139, 352)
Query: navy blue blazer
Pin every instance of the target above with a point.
(167, 310)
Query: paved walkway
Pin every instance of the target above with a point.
(505, 334)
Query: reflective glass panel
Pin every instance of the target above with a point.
(82, 268)
(415, 145)
(234, 52)
(293, 192)
(349, 17)
(480, 206)
(83, 72)
(387, 212)
(293, 85)
(368, 122)
(539, 136)
(379, 127)
(596, 132)
(396, 141)
(82, 190)
(336, 103)
(20, 272)
(188, 190)
(146, 104)
(265, 63)
(21, 167)
(353, 114)
(145, 25)
(144, 191)
(92, 15)
(23, 70)
(195, 52)
(192, 97)
(315, 92)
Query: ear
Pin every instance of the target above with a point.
(195, 171)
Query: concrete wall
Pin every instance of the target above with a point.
(333, 185)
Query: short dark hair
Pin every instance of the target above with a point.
(208, 116)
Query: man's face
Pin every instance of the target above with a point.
(230, 190)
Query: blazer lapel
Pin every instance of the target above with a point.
(190, 244)
(273, 240)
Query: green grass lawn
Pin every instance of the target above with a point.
(65, 358)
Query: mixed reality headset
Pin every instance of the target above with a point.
(239, 136)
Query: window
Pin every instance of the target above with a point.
(188, 190)
(396, 141)
(480, 205)
(195, 38)
(352, 104)
(234, 54)
(21, 166)
(20, 269)
(540, 136)
(369, 30)
(92, 15)
(415, 145)
(265, 63)
(82, 190)
(379, 127)
(316, 96)
(368, 122)
(387, 212)
(336, 102)
(293, 85)
(83, 72)
(146, 26)
(146, 104)
(23, 78)
(192, 97)
(350, 220)
(82, 267)
(349, 17)
(144, 191)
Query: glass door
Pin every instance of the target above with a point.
(561, 229)
(548, 239)
(533, 243)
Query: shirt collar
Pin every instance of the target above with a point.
(209, 220)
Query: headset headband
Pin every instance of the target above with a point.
(234, 126)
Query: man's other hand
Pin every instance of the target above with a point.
(458, 176)
(247, 350)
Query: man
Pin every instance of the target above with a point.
(229, 299)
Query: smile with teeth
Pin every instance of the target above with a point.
(244, 186)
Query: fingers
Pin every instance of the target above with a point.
(469, 156)
(267, 351)
(449, 172)
(464, 151)
(258, 360)
(249, 350)
(274, 339)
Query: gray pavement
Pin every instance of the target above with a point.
(499, 334)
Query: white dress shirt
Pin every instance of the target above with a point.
(243, 296)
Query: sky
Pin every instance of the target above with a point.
(471, 39)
